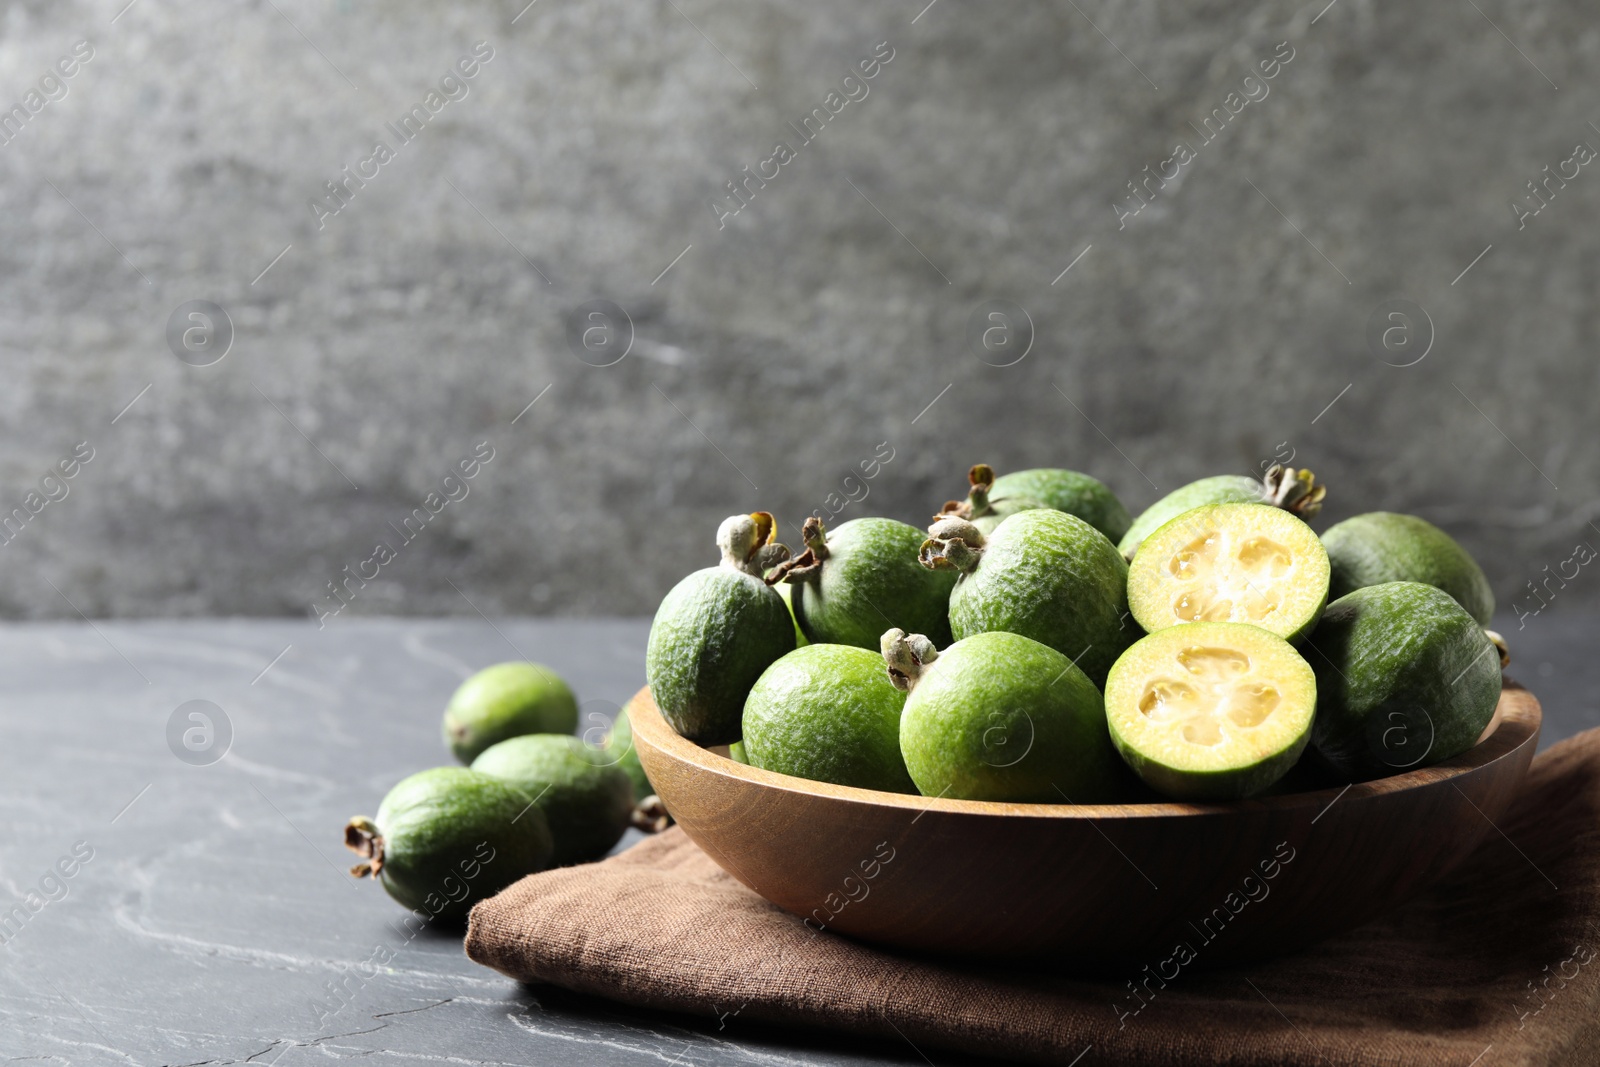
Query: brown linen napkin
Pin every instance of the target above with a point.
(1495, 967)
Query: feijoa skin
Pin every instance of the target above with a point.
(1231, 563)
(1382, 546)
(1295, 491)
(1069, 491)
(507, 700)
(619, 751)
(446, 838)
(1043, 574)
(786, 591)
(586, 800)
(998, 716)
(1211, 710)
(861, 578)
(830, 714)
(1405, 678)
(715, 632)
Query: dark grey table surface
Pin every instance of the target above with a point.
(213, 920)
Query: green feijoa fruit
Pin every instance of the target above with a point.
(1295, 491)
(786, 591)
(585, 800)
(1069, 491)
(1405, 678)
(716, 631)
(507, 700)
(1382, 546)
(860, 579)
(736, 751)
(1043, 574)
(828, 713)
(998, 716)
(1212, 710)
(1231, 563)
(447, 838)
(619, 751)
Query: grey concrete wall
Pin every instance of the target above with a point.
(775, 349)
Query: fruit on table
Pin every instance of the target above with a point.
(828, 713)
(716, 631)
(446, 838)
(586, 801)
(1295, 491)
(1405, 678)
(1043, 574)
(620, 752)
(1231, 563)
(998, 716)
(852, 583)
(1212, 710)
(1382, 546)
(507, 700)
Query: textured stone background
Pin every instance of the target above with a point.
(1208, 335)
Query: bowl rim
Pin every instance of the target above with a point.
(1517, 720)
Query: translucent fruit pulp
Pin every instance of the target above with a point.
(1228, 579)
(1215, 696)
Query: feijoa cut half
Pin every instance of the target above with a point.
(1294, 490)
(1383, 546)
(1212, 710)
(999, 716)
(1044, 574)
(861, 578)
(446, 838)
(507, 700)
(716, 631)
(828, 713)
(586, 800)
(1405, 678)
(1231, 563)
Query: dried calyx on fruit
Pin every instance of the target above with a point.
(1293, 489)
(985, 507)
(953, 542)
(905, 655)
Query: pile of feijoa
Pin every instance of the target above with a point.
(532, 796)
(1038, 644)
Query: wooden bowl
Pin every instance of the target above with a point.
(1088, 885)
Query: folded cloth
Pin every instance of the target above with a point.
(1494, 967)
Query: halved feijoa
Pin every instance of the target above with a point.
(1405, 678)
(507, 700)
(1043, 574)
(1231, 563)
(585, 799)
(446, 838)
(998, 716)
(862, 577)
(716, 631)
(1293, 490)
(1382, 546)
(1211, 711)
(828, 713)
